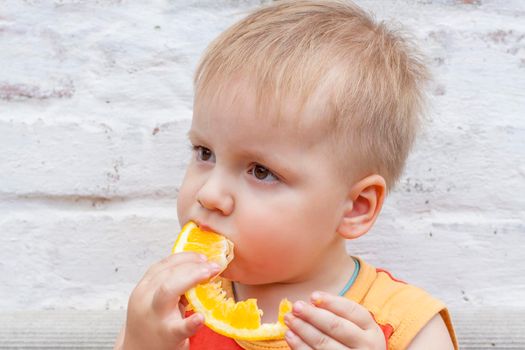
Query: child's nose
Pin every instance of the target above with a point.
(214, 195)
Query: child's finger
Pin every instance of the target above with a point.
(310, 335)
(295, 342)
(345, 308)
(171, 283)
(185, 328)
(172, 260)
(334, 326)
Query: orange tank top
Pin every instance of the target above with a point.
(401, 310)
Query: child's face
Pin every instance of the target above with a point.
(273, 190)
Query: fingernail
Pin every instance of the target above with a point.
(298, 307)
(198, 319)
(316, 298)
(214, 268)
(289, 335)
(203, 257)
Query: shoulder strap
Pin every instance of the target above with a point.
(402, 310)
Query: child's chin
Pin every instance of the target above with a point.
(228, 274)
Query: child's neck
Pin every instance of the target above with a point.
(331, 276)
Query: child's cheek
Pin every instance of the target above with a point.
(183, 203)
(264, 249)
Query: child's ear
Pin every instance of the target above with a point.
(362, 206)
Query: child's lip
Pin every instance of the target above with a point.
(207, 228)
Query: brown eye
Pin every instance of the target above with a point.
(260, 172)
(204, 154)
(263, 174)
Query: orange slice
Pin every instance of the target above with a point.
(217, 248)
(239, 320)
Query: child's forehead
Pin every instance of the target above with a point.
(236, 100)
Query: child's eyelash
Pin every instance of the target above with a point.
(196, 148)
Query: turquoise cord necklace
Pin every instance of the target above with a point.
(352, 279)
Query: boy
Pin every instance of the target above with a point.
(304, 115)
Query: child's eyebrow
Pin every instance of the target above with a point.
(193, 135)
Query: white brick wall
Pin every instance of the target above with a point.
(95, 100)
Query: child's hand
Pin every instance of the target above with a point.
(332, 322)
(155, 318)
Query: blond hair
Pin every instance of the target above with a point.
(372, 78)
